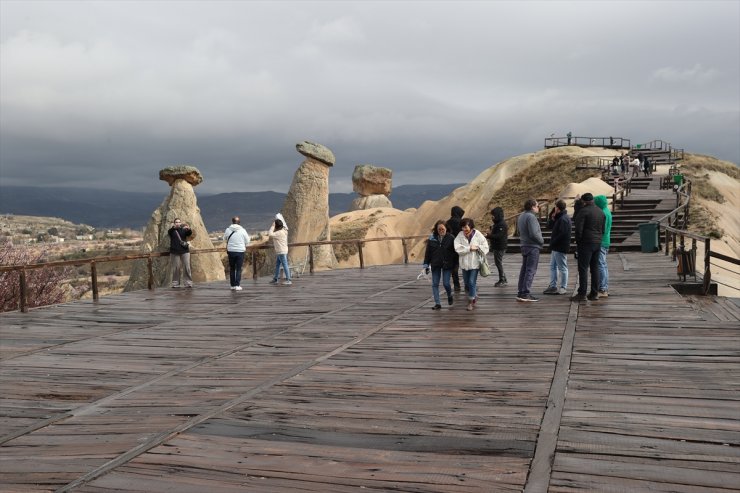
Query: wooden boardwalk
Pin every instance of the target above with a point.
(347, 381)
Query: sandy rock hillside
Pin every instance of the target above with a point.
(474, 198)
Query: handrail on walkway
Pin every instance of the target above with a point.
(676, 235)
(608, 142)
(150, 256)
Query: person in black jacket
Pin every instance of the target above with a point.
(440, 256)
(454, 227)
(499, 237)
(180, 253)
(559, 223)
(590, 222)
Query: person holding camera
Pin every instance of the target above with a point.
(180, 253)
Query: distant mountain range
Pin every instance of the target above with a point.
(116, 209)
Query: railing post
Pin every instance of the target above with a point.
(405, 251)
(310, 259)
(707, 272)
(94, 279)
(614, 201)
(22, 305)
(254, 264)
(667, 241)
(150, 273)
(359, 251)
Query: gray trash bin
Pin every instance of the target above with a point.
(648, 237)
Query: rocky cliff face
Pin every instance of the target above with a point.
(180, 203)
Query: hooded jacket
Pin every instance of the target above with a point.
(453, 223)
(601, 202)
(238, 241)
(470, 259)
(561, 228)
(499, 234)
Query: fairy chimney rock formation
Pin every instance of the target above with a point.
(373, 184)
(306, 207)
(180, 203)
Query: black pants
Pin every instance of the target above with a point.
(588, 259)
(498, 258)
(236, 261)
(456, 277)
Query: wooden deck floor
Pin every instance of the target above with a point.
(347, 381)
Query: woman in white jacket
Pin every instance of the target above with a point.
(279, 234)
(469, 245)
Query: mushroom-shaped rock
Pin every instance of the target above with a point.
(316, 151)
(372, 180)
(370, 202)
(190, 174)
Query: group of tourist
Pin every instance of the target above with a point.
(456, 245)
(450, 248)
(237, 240)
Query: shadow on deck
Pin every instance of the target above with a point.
(348, 380)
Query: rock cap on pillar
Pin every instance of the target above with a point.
(190, 174)
(316, 151)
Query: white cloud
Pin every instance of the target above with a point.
(695, 75)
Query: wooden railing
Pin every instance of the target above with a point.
(149, 257)
(676, 234)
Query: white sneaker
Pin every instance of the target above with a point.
(562, 291)
(232, 288)
(237, 288)
(287, 283)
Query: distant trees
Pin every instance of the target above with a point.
(44, 286)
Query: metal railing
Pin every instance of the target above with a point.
(608, 142)
(149, 257)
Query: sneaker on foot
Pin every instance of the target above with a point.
(528, 298)
(501, 283)
(232, 288)
(237, 288)
(470, 307)
(450, 300)
(562, 291)
(287, 283)
(603, 294)
(437, 307)
(175, 286)
(274, 281)
(550, 290)
(592, 296)
(578, 297)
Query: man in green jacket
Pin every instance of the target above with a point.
(601, 202)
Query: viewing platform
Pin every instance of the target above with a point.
(348, 381)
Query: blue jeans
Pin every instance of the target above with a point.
(530, 259)
(236, 261)
(445, 274)
(603, 270)
(281, 260)
(470, 278)
(558, 264)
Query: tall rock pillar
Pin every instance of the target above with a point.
(306, 208)
(180, 203)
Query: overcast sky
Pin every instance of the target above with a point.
(104, 94)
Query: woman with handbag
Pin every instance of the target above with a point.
(470, 244)
(180, 253)
(440, 257)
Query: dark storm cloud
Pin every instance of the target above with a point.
(104, 94)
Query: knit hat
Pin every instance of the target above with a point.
(587, 197)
